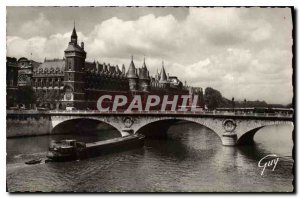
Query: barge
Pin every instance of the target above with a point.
(66, 150)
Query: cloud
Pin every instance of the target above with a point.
(261, 33)
(39, 26)
(242, 56)
(148, 35)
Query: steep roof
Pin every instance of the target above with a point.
(144, 64)
(143, 72)
(131, 73)
(74, 47)
(74, 34)
(35, 64)
(55, 63)
(163, 76)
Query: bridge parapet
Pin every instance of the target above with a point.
(157, 113)
(203, 113)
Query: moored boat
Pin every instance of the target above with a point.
(66, 150)
(35, 161)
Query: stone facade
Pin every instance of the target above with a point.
(75, 82)
(11, 80)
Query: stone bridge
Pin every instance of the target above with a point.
(233, 129)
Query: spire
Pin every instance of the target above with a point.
(163, 76)
(131, 73)
(74, 35)
(144, 64)
(143, 74)
(157, 76)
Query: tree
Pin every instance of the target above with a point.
(52, 97)
(47, 99)
(26, 96)
(41, 97)
(212, 98)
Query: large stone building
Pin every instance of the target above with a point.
(75, 82)
(11, 80)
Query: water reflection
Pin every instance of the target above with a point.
(192, 158)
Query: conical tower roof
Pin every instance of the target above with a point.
(163, 76)
(131, 70)
(73, 43)
(143, 74)
(74, 34)
(144, 64)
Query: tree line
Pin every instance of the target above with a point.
(213, 99)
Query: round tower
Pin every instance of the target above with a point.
(132, 76)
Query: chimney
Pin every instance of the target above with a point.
(82, 45)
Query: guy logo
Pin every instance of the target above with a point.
(268, 161)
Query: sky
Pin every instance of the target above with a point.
(245, 53)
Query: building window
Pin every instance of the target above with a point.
(69, 64)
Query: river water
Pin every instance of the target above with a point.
(191, 159)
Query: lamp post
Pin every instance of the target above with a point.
(232, 100)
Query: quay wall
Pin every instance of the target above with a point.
(35, 123)
(27, 124)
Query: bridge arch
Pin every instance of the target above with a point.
(247, 137)
(160, 126)
(241, 131)
(84, 124)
